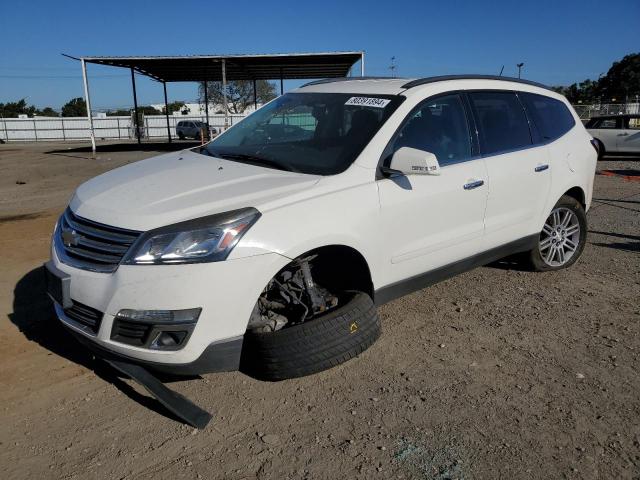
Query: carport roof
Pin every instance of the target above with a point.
(198, 68)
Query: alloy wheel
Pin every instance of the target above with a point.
(560, 237)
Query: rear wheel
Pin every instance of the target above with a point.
(601, 150)
(181, 135)
(563, 237)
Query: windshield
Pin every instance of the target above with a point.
(315, 133)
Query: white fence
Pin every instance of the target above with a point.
(585, 112)
(105, 128)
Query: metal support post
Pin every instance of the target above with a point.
(255, 95)
(166, 110)
(224, 94)
(135, 105)
(206, 102)
(87, 101)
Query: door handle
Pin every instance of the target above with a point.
(541, 168)
(474, 184)
(623, 134)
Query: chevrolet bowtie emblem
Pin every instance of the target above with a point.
(70, 238)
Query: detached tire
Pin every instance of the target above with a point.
(313, 346)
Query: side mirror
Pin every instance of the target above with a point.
(411, 161)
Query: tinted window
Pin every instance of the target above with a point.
(438, 126)
(605, 123)
(551, 117)
(180, 124)
(502, 122)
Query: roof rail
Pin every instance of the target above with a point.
(444, 78)
(346, 79)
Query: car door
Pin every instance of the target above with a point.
(431, 221)
(628, 140)
(607, 130)
(519, 173)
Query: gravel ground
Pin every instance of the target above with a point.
(497, 373)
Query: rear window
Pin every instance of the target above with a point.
(551, 117)
(501, 120)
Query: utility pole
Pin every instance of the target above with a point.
(393, 67)
(519, 65)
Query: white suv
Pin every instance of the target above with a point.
(268, 248)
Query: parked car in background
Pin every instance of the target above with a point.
(193, 129)
(268, 248)
(616, 134)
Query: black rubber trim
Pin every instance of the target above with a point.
(177, 404)
(413, 284)
(444, 78)
(217, 357)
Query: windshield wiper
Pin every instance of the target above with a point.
(255, 160)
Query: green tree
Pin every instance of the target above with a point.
(620, 84)
(149, 110)
(47, 112)
(13, 109)
(239, 93)
(174, 107)
(76, 107)
(622, 81)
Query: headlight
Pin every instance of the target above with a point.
(207, 239)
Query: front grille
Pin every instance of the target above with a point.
(90, 245)
(131, 333)
(84, 315)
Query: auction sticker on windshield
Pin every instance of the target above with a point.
(368, 102)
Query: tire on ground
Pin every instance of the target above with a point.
(535, 257)
(313, 346)
(601, 150)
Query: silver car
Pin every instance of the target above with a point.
(616, 134)
(191, 129)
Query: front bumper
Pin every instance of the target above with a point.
(226, 291)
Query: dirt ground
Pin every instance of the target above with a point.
(497, 373)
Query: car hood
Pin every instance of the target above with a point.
(181, 186)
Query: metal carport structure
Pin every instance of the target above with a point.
(222, 68)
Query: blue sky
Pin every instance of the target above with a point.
(560, 42)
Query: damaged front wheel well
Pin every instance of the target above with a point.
(310, 285)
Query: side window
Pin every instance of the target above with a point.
(609, 123)
(438, 126)
(551, 117)
(501, 121)
(180, 124)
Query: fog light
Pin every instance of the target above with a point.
(169, 339)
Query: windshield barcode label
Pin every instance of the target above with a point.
(368, 102)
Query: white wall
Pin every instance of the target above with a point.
(107, 128)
